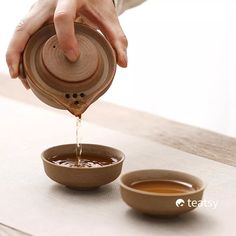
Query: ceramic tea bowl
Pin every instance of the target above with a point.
(161, 204)
(83, 177)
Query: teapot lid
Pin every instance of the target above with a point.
(64, 84)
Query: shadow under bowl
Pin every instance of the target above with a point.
(161, 204)
(83, 178)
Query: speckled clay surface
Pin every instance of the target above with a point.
(83, 178)
(161, 204)
(64, 84)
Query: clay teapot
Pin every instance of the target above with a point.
(63, 84)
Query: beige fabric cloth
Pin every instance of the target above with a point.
(122, 5)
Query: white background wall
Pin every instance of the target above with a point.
(182, 60)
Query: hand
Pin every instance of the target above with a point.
(100, 14)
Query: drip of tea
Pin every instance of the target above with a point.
(78, 158)
(70, 160)
(163, 186)
(78, 148)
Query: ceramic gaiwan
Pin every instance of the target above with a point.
(63, 84)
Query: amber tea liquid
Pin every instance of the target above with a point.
(163, 186)
(69, 160)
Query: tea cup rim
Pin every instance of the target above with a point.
(83, 168)
(125, 186)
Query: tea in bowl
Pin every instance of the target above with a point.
(161, 192)
(97, 166)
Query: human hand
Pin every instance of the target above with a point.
(100, 14)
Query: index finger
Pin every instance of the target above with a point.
(64, 18)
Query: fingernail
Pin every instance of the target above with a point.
(71, 55)
(12, 71)
(126, 58)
